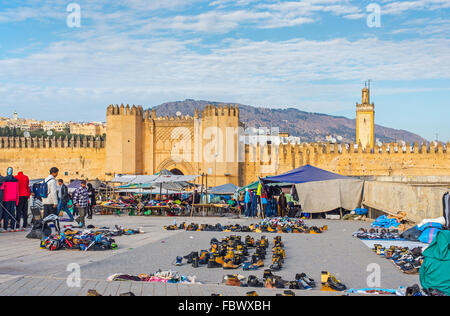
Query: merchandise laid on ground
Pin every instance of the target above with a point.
(278, 225)
(406, 260)
(160, 276)
(233, 253)
(91, 238)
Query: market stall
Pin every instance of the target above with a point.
(320, 190)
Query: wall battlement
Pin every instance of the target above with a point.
(221, 110)
(50, 142)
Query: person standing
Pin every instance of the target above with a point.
(81, 201)
(10, 188)
(50, 202)
(264, 204)
(24, 195)
(282, 205)
(92, 201)
(248, 203)
(63, 199)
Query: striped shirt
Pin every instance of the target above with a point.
(81, 197)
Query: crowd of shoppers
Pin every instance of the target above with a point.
(51, 196)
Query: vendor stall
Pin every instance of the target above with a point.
(320, 190)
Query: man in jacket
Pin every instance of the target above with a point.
(10, 188)
(51, 201)
(63, 199)
(81, 201)
(24, 195)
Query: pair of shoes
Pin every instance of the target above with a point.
(413, 291)
(232, 280)
(305, 282)
(329, 281)
(286, 293)
(252, 281)
(228, 264)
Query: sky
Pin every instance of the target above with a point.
(314, 55)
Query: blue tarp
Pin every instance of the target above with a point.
(305, 174)
(226, 189)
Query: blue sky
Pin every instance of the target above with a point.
(314, 55)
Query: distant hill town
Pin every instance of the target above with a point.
(310, 127)
(17, 126)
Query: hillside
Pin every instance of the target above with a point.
(311, 127)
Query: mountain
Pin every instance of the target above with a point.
(310, 127)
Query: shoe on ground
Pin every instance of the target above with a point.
(335, 284)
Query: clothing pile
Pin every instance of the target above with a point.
(159, 276)
(378, 234)
(79, 240)
(406, 260)
(110, 232)
(423, 232)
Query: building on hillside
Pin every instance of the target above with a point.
(91, 129)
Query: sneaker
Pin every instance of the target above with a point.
(179, 261)
(335, 284)
(305, 278)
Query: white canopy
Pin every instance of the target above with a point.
(153, 179)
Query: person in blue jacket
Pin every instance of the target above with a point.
(247, 201)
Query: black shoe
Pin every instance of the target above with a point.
(195, 262)
(335, 284)
(306, 279)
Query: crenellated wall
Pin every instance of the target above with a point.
(139, 142)
(386, 160)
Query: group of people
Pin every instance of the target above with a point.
(268, 202)
(14, 195)
(51, 195)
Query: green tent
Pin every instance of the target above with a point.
(435, 270)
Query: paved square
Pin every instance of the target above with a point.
(25, 269)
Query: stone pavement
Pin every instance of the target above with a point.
(25, 269)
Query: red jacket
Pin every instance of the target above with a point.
(10, 192)
(24, 184)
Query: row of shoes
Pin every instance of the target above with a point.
(256, 228)
(269, 280)
(278, 254)
(230, 253)
(254, 293)
(406, 260)
(375, 233)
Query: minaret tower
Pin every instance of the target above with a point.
(365, 122)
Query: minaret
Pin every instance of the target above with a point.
(16, 117)
(365, 122)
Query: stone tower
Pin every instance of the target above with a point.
(124, 145)
(365, 122)
(220, 143)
